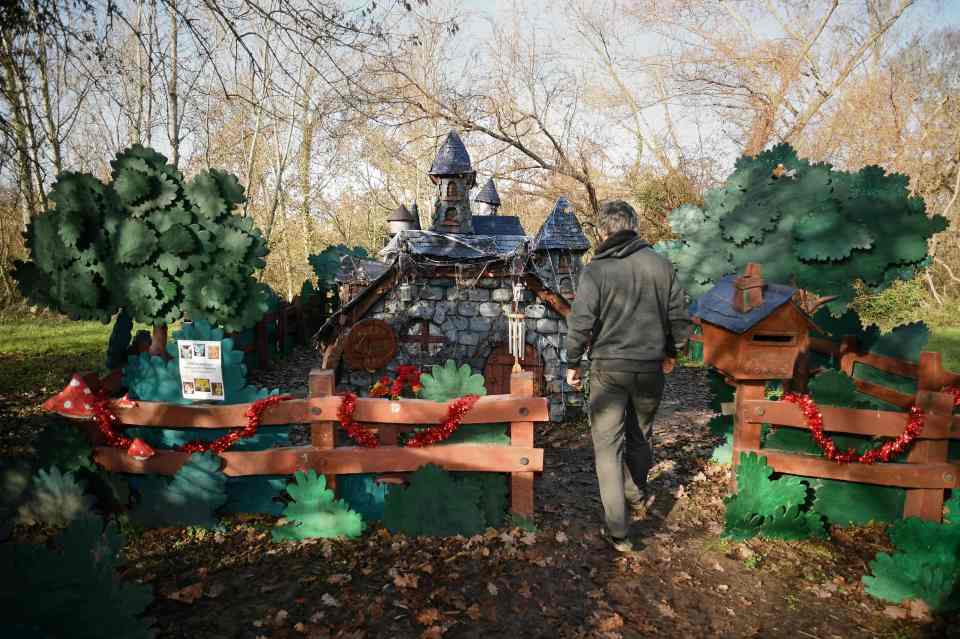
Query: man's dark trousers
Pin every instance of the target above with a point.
(622, 445)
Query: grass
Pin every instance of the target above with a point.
(947, 341)
(38, 354)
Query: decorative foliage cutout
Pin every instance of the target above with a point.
(845, 503)
(769, 508)
(72, 590)
(365, 495)
(316, 513)
(805, 223)
(64, 446)
(434, 504)
(254, 494)
(449, 382)
(925, 564)
(143, 243)
(55, 499)
(192, 498)
(326, 263)
(155, 379)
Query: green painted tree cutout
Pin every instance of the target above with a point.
(806, 224)
(315, 513)
(925, 564)
(55, 499)
(774, 509)
(158, 380)
(15, 477)
(449, 382)
(846, 502)
(192, 498)
(326, 263)
(71, 590)
(148, 242)
(493, 496)
(434, 504)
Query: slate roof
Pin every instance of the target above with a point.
(716, 305)
(497, 225)
(354, 269)
(452, 158)
(561, 230)
(488, 194)
(458, 247)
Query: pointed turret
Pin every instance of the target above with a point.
(561, 230)
(488, 200)
(559, 247)
(400, 220)
(454, 176)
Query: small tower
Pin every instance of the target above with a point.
(415, 214)
(454, 176)
(401, 220)
(488, 200)
(559, 247)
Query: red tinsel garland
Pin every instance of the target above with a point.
(438, 433)
(363, 436)
(107, 421)
(884, 453)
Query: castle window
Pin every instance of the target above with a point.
(451, 189)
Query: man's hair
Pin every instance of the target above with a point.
(616, 215)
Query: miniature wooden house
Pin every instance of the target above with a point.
(753, 330)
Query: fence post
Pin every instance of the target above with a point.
(282, 328)
(746, 434)
(521, 434)
(322, 433)
(260, 336)
(938, 408)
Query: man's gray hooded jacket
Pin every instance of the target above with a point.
(629, 306)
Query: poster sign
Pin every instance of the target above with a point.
(201, 372)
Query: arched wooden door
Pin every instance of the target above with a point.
(500, 365)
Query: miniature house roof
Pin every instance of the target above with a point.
(400, 214)
(497, 225)
(452, 158)
(561, 230)
(716, 305)
(454, 247)
(488, 194)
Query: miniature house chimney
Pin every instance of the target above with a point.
(748, 289)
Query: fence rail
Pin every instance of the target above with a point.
(927, 471)
(390, 418)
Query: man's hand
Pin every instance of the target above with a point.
(668, 364)
(573, 378)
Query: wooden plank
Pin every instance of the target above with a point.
(163, 415)
(888, 364)
(337, 461)
(488, 409)
(934, 475)
(844, 420)
(322, 384)
(938, 413)
(884, 393)
(521, 436)
(746, 433)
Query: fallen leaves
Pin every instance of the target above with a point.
(492, 589)
(406, 581)
(562, 537)
(428, 616)
(329, 600)
(188, 594)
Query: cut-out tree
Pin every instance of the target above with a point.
(809, 225)
(149, 244)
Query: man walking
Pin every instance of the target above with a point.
(631, 310)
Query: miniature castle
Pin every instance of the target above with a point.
(447, 292)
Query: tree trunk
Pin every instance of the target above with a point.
(158, 346)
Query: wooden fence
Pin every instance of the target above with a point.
(928, 471)
(520, 409)
(292, 322)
